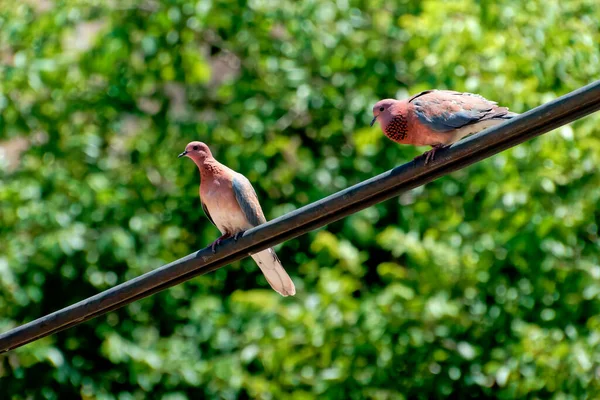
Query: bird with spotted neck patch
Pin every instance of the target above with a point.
(437, 118)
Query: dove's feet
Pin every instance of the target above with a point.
(238, 235)
(218, 242)
(430, 154)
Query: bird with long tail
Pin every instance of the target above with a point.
(231, 204)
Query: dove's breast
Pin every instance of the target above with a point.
(223, 206)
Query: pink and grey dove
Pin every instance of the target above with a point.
(437, 118)
(231, 204)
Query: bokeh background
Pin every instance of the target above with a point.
(482, 284)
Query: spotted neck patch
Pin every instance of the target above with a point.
(397, 128)
(209, 168)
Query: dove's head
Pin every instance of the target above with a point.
(197, 151)
(382, 107)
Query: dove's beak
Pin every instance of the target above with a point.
(182, 154)
(373, 121)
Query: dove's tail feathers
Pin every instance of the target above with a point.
(271, 267)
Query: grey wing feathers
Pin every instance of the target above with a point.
(248, 201)
(451, 121)
(445, 110)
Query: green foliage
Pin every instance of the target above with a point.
(485, 283)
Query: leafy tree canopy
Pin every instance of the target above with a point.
(485, 283)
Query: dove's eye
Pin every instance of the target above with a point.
(381, 108)
(195, 147)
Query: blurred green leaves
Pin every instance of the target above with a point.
(485, 283)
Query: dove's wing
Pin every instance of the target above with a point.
(248, 201)
(446, 110)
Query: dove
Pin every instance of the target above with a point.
(230, 203)
(437, 118)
